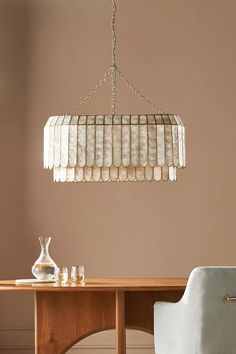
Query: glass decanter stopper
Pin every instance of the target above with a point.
(44, 267)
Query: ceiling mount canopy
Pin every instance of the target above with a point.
(144, 147)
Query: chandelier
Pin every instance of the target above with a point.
(115, 147)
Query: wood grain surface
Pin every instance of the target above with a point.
(120, 322)
(66, 314)
(63, 319)
(102, 285)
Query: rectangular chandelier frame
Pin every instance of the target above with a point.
(147, 147)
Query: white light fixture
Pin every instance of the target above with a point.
(114, 147)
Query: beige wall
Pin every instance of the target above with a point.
(182, 54)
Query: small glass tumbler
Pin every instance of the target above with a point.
(77, 275)
(61, 275)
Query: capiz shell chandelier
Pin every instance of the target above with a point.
(85, 148)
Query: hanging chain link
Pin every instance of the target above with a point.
(113, 58)
(91, 94)
(138, 93)
(112, 71)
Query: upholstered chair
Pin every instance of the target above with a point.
(204, 320)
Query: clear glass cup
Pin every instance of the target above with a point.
(61, 275)
(77, 275)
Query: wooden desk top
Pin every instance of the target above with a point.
(102, 285)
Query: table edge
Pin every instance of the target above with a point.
(102, 285)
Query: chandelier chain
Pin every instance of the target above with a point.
(113, 58)
(113, 71)
(138, 92)
(92, 93)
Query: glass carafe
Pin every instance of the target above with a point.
(44, 267)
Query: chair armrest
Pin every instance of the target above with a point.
(168, 324)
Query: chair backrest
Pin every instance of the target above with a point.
(214, 318)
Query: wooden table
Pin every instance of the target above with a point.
(66, 314)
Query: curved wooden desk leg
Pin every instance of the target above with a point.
(64, 318)
(120, 323)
